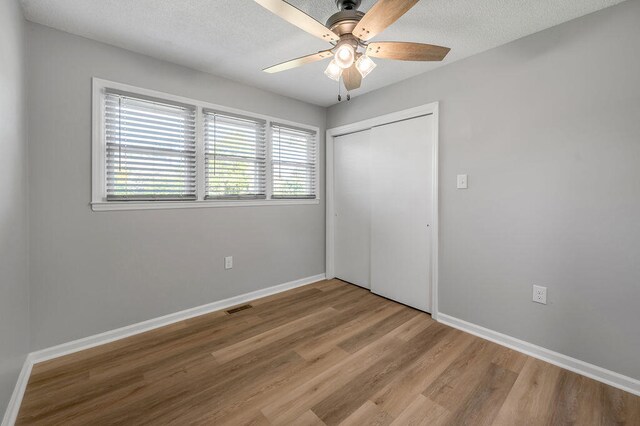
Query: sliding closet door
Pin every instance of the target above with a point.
(352, 157)
(401, 211)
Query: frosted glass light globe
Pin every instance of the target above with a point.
(333, 71)
(365, 65)
(345, 55)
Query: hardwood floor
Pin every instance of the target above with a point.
(327, 353)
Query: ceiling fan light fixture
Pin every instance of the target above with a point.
(349, 32)
(333, 71)
(365, 65)
(345, 55)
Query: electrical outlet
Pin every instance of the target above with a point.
(540, 294)
(228, 262)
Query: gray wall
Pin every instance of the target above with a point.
(14, 289)
(95, 271)
(548, 129)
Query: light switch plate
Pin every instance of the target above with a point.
(462, 182)
(228, 262)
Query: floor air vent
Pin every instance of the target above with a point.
(238, 309)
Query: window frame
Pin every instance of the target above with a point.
(98, 153)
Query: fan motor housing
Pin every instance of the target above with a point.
(345, 21)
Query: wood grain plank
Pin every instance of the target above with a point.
(290, 406)
(618, 407)
(422, 411)
(320, 354)
(484, 401)
(458, 380)
(234, 405)
(368, 414)
(344, 331)
(251, 344)
(307, 419)
(377, 329)
(531, 398)
(510, 359)
(399, 393)
(345, 399)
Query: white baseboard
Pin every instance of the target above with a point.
(109, 336)
(600, 374)
(11, 414)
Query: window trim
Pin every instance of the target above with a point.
(98, 156)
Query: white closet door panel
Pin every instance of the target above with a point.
(401, 211)
(352, 157)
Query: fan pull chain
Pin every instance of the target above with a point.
(340, 82)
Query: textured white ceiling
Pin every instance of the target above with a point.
(237, 39)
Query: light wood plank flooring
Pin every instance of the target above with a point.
(328, 353)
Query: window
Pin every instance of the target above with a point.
(294, 162)
(150, 149)
(155, 150)
(235, 156)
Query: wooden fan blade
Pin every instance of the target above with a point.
(298, 62)
(352, 78)
(407, 51)
(295, 16)
(380, 16)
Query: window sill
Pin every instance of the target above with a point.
(102, 206)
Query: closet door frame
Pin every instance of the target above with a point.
(428, 109)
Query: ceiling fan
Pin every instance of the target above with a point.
(349, 31)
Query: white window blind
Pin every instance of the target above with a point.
(294, 154)
(235, 156)
(150, 148)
